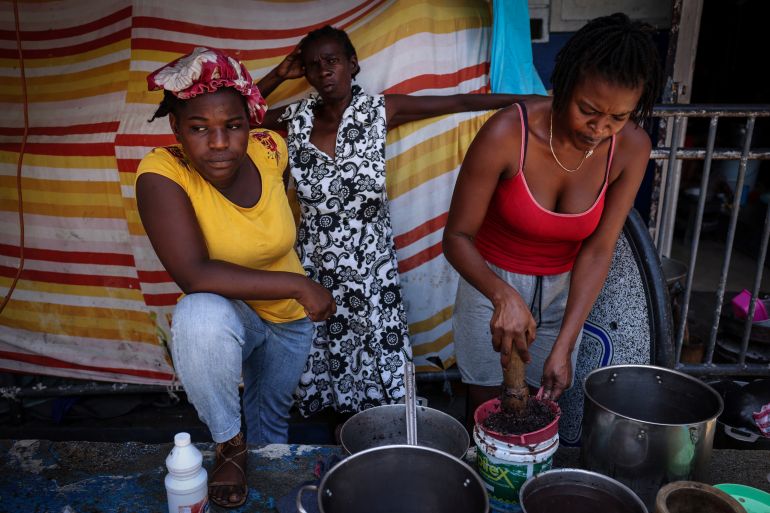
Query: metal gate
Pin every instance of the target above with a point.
(673, 122)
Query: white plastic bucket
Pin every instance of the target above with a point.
(504, 466)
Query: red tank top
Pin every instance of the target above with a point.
(521, 236)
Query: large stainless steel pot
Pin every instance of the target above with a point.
(386, 425)
(399, 479)
(646, 426)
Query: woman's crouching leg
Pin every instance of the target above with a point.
(270, 376)
(206, 347)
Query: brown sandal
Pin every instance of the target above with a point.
(238, 445)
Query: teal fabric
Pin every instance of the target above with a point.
(512, 70)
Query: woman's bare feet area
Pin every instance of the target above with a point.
(227, 485)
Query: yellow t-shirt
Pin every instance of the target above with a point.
(260, 237)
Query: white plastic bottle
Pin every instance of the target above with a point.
(186, 481)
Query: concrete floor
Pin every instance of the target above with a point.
(708, 267)
(70, 477)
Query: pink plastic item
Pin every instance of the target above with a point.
(741, 307)
(762, 418)
(535, 437)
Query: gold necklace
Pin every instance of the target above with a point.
(550, 144)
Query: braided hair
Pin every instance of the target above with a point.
(169, 104)
(617, 49)
(335, 34)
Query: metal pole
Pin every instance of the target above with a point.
(671, 194)
(451, 374)
(663, 153)
(695, 110)
(725, 369)
(696, 235)
(730, 239)
(85, 389)
(755, 289)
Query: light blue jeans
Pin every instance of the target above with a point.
(215, 341)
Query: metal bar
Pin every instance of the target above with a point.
(39, 391)
(696, 236)
(671, 194)
(729, 242)
(755, 289)
(103, 388)
(724, 369)
(664, 153)
(451, 374)
(709, 110)
(658, 183)
(410, 404)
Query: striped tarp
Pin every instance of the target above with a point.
(93, 300)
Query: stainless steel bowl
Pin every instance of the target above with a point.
(402, 479)
(386, 425)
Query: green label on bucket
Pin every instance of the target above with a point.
(504, 478)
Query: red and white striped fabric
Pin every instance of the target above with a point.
(94, 301)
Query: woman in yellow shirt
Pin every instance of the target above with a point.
(215, 209)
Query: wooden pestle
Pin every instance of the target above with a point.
(515, 390)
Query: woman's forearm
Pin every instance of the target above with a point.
(404, 108)
(588, 276)
(476, 102)
(290, 67)
(237, 282)
(270, 82)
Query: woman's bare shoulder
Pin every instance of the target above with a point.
(632, 151)
(506, 122)
(633, 140)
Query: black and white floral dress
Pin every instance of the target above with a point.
(345, 242)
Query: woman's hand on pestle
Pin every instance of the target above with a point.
(512, 327)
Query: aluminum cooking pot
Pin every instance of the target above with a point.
(399, 479)
(577, 491)
(647, 426)
(386, 425)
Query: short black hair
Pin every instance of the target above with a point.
(335, 34)
(619, 50)
(172, 104)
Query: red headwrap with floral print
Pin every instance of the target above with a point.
(204, 71)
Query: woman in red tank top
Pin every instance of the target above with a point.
(545, 188)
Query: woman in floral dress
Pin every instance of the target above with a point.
(336, 144)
